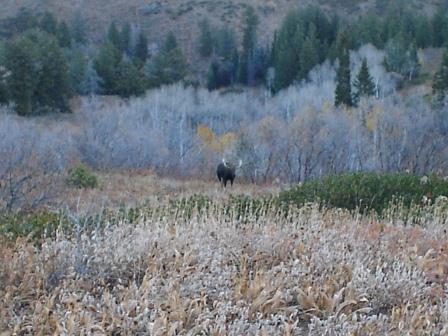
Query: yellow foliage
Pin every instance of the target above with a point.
(350, 112)
(205, 134)
(228, 140)
(213, 142)
(327, 106)
(373, 117)
(268, 127)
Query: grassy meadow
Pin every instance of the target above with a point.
(229, 262)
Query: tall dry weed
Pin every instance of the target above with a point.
(210, 271)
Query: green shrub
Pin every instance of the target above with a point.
(36, 226)
(367, 191)
(81, 177)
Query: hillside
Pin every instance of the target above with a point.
(157, 17)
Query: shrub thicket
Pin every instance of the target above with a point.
(367, 191)
(81, 177)
(34, 226)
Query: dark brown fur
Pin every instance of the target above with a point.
(225, 172)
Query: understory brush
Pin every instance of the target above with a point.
(369, 191)
(204, 266)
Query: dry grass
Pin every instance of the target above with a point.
(309, 273)
(137, 187)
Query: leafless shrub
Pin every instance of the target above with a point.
(30, 169)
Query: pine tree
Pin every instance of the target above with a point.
(220, 75)
(39, 76)
(412, 64)
(106, 65)
(114, 36)
(49, 23)
(440, 82)
(78, 70)
(24, 20)
(64, 35)
(78, 26)
(439, 26)
(364, 84)
(370, 30)
(21, 63)
(169, 65)
(205, 39)
(125, 39)
(423, 36)
(92, 82)
(309, 55)
(287, 49)
(343, 94)
(225, 43)
(395, 55)
(246, 73)
(53, 90)
(141, 48)
(130, 81)
(170, 42)
(4, 74)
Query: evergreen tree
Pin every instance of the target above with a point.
(287, 49)
(130, 81)
(225, 43)
(439, 26)
(125, 39)
(49, 23)
(114, 36)
(106, 65)
(344, 40)
(205, 39)
(309, 55)
(53, 90)
(141, 48)
(412, 64)
(4, 96)
(440, 81)
(260, 64)
(79, 29)
(20, 62)
(39, 77)
(64, 36)
(402, 58)
(364, 82)
(169, 65)
(78, 71)
(369, 30)
(220, 74)
(303, 41)
(395, 55)
(92, 82)
(246, 70)
(214, 76)
(423, 35)
(170, 43)
(395, 12)
(24, 20)
(343, 94)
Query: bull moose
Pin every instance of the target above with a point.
(226, 172)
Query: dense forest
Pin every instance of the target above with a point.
(44, 62)
(328, 95)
